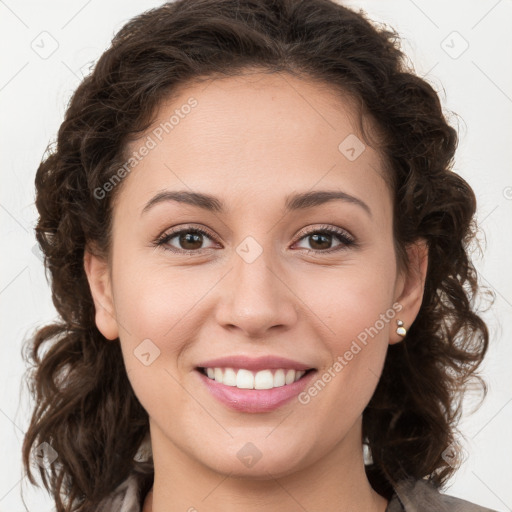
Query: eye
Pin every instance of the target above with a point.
(190, 239)
(323, 236)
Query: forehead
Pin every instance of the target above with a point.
(256, 135)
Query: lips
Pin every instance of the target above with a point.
(266, 397)
(255, 400)
(254, 364)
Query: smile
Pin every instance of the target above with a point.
(250, 399)
(247, 379)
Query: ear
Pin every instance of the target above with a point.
(98, 275)
(410, 286)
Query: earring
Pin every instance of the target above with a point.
(400, 330)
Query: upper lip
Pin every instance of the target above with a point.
(254, 364)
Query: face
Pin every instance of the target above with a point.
(315, 282)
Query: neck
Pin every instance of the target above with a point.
(336, 482)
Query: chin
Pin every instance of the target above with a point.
(255, 460)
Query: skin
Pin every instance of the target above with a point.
(251, 141)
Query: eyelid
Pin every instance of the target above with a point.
(349, 240)
(169, 234)
(324, 227)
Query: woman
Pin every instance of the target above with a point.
(213, 354)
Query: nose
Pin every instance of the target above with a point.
(256, 297)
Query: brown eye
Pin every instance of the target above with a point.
(321, 240)
(188, 240)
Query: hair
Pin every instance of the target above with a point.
(85, 407)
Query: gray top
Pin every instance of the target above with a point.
(409, 496)
(420, 496)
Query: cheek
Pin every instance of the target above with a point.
(159, 303)
(352, 302)
(356, 314)
(153, 313)
(145, 296)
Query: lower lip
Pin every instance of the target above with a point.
(255, 400)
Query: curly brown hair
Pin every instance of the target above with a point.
(85, 407)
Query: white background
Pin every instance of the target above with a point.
(476, 86)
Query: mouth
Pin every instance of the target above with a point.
(243, 378)
(261, 391)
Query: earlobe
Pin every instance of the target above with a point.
(410, 293)
(98, 276)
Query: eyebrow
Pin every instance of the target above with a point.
(293, 202)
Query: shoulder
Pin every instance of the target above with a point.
(421, 496)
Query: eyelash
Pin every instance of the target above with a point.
(342, 236)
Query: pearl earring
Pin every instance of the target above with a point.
(400, 330)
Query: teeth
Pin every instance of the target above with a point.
(290, 376)
(245, 379)
(229, 377)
